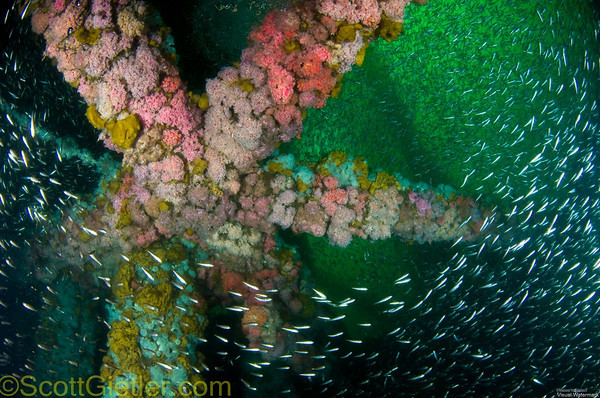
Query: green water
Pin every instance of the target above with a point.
(425, 104)
(432, 106)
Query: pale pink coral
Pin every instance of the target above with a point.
(339, 231)
(394, 9)
(140, 72)
(281, 82)
(365, 12)
(172, 137)
(171, 83)
(311, 218)
(216, 166)
(39, 22)
(423, 206)
(147, 108)
(331, 199)
(191, 148)
(147, 237)
(112, 98)
(382, 213)
(101, 14)
(169, 169)
(283, 214)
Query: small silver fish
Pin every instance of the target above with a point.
(155, 257)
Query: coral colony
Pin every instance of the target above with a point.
(195, 208)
